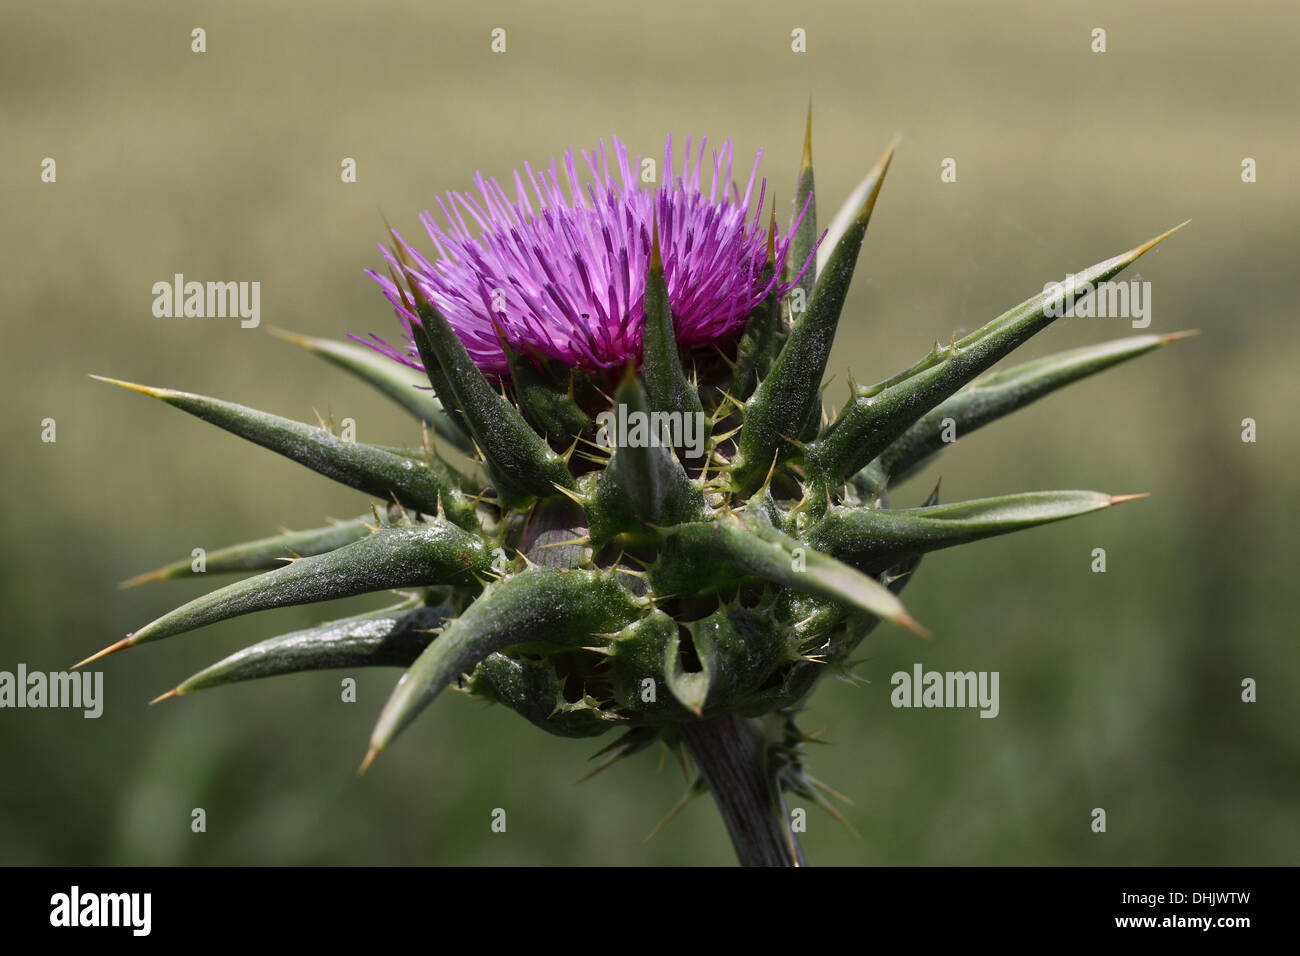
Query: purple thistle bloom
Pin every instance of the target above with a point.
(563, 276)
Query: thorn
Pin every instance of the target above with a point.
(293, 338)
(933, 498)
(823, 787)
(174, 692)
(834, 814)
(121, 645)
(401, 290)
(582, 542)
(1178, 336)
(718, 353)
(159, 575)
(656, 260)
(142, 389)
(1120, 499)
(572, 448)
(566, 491)
(604, 765)
(608, 747)
(895, 577)
(909, 622)
(677, 808)
(681, 759)
(794, 441)
(878, 174)
(369, 758)
(806, 162)
(1152, 243)
(771, 470)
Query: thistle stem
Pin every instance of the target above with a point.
(732, 754)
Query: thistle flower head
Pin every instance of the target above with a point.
(593, 572)
(559, 268)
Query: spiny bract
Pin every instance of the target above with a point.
(591, 582)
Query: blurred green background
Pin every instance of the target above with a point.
(1119, 690)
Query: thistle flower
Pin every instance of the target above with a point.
(563, 275)
(675, 597)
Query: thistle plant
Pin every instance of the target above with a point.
(596, 577)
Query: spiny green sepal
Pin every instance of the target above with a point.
(423, 486)
(993, 396)
(716, 556)
(532, 689)
(787, 399)
(391, 637)
(666, 384)
(520, 462)
(546, 398)
(547, 608)
(873, 539)
(643, 483)
(402, 384)
(264, 553)
(426, 554)
(877, 415)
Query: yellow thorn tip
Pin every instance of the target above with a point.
(807, 140)
(146, 578)
(1120, 499)
(124, 643)
(912, 625)
(878, 176)
(1152, 243)
(142, 389)
(293, 338)
(369, 758)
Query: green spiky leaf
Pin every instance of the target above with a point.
(877, 415)
(541, 606)
(405, 386)
(715, 555)
(875, 538)
(666, 383)
(262, 554)
(391, 637)
(993, 396)
(788, 398)
(423, 486)
(643, 483)
(545, 399)
(430, 553)
(803, 241)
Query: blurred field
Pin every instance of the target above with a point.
(1118, 690)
